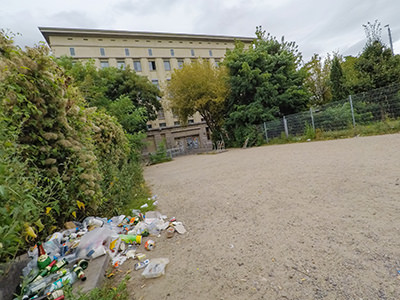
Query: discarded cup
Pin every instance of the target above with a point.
(170, 232)
(149, 245)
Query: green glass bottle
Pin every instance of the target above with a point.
(43, 259)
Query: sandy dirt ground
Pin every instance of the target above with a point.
(318, 220)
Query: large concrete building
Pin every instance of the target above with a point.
(154, 55)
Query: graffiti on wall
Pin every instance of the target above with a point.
(192, 142)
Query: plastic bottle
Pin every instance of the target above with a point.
(68, 232)
(131, 238)
(52, 248)
(142, 264)
(93, 221)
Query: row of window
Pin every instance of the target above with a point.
(137, 65)
(148, 41)
(149, 51)
(163, 124)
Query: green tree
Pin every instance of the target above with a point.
(351, 77)
(317, 80)
(337, 80)
(201, 87)
(377, 67)
(101, 87)
(266, 82)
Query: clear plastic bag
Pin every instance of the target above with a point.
(155, 268)
(92, 241)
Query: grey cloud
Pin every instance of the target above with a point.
(73, 18)
(144, 7)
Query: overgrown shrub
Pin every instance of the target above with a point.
(59, 159)
(160, 155)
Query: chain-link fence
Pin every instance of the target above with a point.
(360, 109)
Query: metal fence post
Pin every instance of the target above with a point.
(286, 128)
(266, 132)
(352, 111)
(312, 119)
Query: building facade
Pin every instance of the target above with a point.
(150, 54)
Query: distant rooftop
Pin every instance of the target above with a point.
(56, 31)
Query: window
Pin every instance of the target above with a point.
(137, 66)
(191, 121)
(160, 114)
(150, 51)
(152, 65)
(180, 64)
(155, 82)
(167, 65)
(149, 126)
(102, 52)
(121, 64)
(177, 123)
(216, 62)
(172, 52)
(163, 125)
(104, 64)
(192, 52)
(72, 51)
(126, 52)
(210, 52)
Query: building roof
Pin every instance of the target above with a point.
(55, 31)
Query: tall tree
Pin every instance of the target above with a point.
(201, 87)
(102, 87)
(317, 80)
(266, 82)
(376, 66)
(337, 81)
(351, 77)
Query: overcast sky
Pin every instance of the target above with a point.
(317, 26)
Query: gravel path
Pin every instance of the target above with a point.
(316, 220)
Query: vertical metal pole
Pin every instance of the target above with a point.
(312, 119)
(352, 111)
(266, 132)
(286, 128)
(390, 38)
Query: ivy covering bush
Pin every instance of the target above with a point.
(59, 159)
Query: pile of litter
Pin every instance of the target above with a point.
(63, 258)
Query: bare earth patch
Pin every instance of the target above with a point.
(317, 220)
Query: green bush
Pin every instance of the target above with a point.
(59, 159)
(106, 292)
(160, 155)
(309, 131)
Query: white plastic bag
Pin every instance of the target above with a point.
(155, 268)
